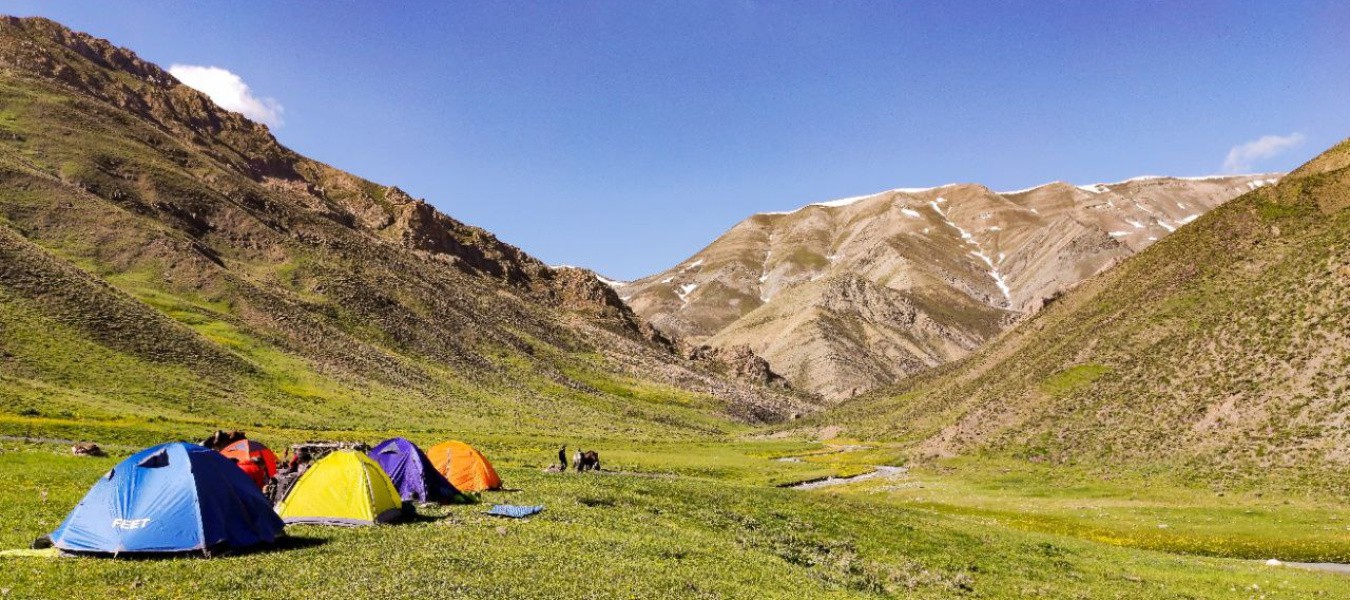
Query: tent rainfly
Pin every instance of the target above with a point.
(412, 472)
(344, 488)
(466, 468)
(175, 497)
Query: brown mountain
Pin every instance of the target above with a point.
(847, 295)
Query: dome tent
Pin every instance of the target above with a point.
(412, 473)
(466, 468)
(248, 451)
(175, 497)
(344, 488)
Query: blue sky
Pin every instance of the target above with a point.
(624, 136)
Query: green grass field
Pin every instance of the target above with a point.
(705, 519)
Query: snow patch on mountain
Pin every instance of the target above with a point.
(938, 209)
(995, 274)
(979, 252)
(684, 290)
(1095, 188)
(1024, 190)
(614, 283)
(1098, 188)
(855, 199)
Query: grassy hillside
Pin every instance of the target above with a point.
(1219, 355)
(164, 260)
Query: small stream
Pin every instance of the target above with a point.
(1341, 568)
(880, 472)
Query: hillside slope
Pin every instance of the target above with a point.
(844, 296)
(1222, 350)
(164, 257)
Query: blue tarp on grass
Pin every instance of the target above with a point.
(513, 511)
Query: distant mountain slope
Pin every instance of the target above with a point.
(163, 257)
(847, 295)
(1224, 349)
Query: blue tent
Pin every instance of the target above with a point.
(413, 474)
(173, 497)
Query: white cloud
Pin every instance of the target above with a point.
(229, 92)
(1242, 156)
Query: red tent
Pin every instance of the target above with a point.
(247, 450)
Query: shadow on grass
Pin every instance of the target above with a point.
(285, 543)
(418, 518)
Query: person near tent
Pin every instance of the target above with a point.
(561, 467)
(298, 462)
(295, 465)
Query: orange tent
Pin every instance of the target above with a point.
(247, 450)
(467, 469)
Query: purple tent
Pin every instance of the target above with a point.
(413, 474)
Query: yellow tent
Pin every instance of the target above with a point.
(466, 468)
(343, 488)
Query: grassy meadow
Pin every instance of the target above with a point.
(707, 519)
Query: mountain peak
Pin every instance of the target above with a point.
(955, 264)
